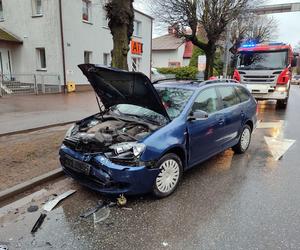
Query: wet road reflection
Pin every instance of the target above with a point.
(248, 201)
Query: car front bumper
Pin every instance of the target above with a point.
(276, 95)
(102, 175)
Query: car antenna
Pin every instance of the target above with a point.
(101, 112)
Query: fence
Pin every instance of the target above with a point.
(26, 84)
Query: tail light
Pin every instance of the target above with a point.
(284, 77)
(236, 75)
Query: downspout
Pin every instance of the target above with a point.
(151, 48)
(62, 45)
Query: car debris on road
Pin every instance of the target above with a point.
(51, 204)
(38, 223)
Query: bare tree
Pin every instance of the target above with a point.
(251, 27)
(120, 17)
(211, 15)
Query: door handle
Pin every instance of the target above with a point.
(221, 121)
(242, 113)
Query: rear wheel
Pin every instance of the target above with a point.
(244, 142)
(170, 174)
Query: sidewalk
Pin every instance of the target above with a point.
(26, 112)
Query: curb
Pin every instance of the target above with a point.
(36, 128)
(30, 183)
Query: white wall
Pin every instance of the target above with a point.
(80, 36)
(35, 32)
(162, 58)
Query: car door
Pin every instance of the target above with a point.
(233, 115)
(204, 133)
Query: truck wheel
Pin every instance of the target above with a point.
(281, 104)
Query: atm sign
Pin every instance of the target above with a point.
(136, 48)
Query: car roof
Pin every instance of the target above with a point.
(192, 84)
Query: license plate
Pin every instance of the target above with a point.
(76, 165)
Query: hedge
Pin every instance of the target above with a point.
(186, 72)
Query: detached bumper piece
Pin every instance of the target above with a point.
(102, 175)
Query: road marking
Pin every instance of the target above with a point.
(277, 124)
(278, 146)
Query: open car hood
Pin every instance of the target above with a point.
(114, 86)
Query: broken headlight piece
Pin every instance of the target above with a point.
(136, 148)
(69, 131)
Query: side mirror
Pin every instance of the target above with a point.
(294, 62)
(198, 115)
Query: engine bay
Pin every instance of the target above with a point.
(107, 134)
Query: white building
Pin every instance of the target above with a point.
(51, 37)
(171, 51)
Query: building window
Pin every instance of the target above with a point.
(37, 8)
(136, 63)
(41, 58)
(1, 11)
(137, 28)
(87, 56)
(106, 59)
(86, 10)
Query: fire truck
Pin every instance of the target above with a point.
(266, 70)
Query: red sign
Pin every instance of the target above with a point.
(136, 48)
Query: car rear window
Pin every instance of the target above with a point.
(242, 93)
(228, 95)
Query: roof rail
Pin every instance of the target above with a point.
(174, 78)
(219, 81)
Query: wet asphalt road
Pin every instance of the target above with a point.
(248, 201)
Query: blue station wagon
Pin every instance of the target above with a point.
(145, 136)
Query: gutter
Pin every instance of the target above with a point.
(151, 49)
(62, 45)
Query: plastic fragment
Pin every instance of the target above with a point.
(38, 223)
(51, 204)
(102, 214)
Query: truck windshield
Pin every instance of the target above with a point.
(262, 60)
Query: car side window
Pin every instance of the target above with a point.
(242, 93)
(207, 101)
(228, 95)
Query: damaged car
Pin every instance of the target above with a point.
(145, 136)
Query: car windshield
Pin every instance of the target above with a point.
(174, 99)
(138, 112)
(262, 60)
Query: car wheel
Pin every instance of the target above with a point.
(244, 141)
(169, 176)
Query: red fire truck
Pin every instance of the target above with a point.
(266, 70)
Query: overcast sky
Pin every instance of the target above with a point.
(288, 23)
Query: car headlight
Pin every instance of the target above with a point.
(136, 148)
(69, 132)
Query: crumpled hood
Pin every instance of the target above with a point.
(114, 86)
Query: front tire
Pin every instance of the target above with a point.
(170, 174)
(244, 142)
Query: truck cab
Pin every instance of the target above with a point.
(266, 70)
